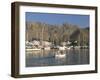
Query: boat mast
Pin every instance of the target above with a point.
(42, 35)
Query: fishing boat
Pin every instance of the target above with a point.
(31, 48)
(60, 54)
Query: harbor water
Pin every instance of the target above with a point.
(51, 57)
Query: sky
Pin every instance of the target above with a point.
(80, 20)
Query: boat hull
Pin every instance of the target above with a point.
(60, 55)
(33, 49)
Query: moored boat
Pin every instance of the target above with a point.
(33, 49)
(60, 54)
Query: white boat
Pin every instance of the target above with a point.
(62, 48)
(60, 55)
(32, 49)
(46, 48)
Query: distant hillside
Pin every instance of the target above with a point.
(57, 33)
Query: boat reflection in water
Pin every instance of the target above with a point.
(55, 57)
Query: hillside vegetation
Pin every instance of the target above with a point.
(57, 33)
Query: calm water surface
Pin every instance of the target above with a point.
(49, 58)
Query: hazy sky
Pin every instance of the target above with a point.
(81, 20)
